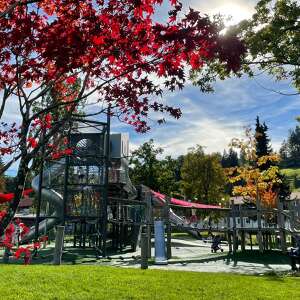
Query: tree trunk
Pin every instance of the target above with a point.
(20, 183)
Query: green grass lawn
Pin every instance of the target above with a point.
(94, 282)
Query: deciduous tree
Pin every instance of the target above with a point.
(145, 165)
(290, 150)
(255, 180)
(203, 177)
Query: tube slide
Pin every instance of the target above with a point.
(51, 196)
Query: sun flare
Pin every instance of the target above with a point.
(233, 13)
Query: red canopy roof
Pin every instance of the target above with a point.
(185, 203)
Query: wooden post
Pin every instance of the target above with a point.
(229, 232)
(281, 227)
(59, 243)
(169, 230)
(148, 220)
(234, 230)
(259, 229)
(270, 241)
(144, 251)
(266, 241)
(243, 242)
(251, 244)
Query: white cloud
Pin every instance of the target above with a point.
(210, 133)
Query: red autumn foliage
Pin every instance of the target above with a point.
(7, 240)
(32, 143)
(117, 41)
(114, 45)
(10, 196)
(2, 214)
(19, 251)
(43, 239)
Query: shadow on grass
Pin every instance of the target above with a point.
(265, 258)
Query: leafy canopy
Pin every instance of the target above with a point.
(203, 177)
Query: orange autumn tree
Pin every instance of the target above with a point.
(250, 181)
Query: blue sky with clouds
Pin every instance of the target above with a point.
(212, 120)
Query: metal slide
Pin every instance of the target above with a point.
(52, 197)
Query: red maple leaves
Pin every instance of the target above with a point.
(116, 42)
(32, 142)
(112, 51)
(8, 241)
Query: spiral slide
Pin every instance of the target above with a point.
(49, 195)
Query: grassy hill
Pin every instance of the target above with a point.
(293, 176)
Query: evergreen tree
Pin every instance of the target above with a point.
(283, 152)
(263, 148)
(229, 159)
(224, 160)
(242, 159)
(262, 140)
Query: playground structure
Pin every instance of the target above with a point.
(90, 193)
(274, 228)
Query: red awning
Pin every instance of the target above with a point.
(185, 203)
